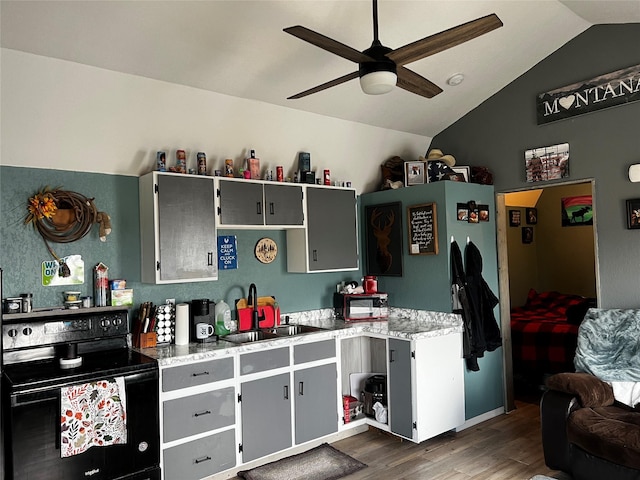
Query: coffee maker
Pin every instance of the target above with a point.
(202, 311)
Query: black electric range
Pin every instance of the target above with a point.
(46, 351)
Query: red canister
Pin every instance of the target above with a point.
(280, 173)
(370, 284)
(327, 177)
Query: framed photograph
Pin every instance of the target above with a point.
(527, 234)
(577, 211)
(483, 213)
(464, 172)
(514, 218)
(423, 229)
(384, 239)
(633, 213)
(547, 163)
(414, 173)
(532, 216)
(463, 212)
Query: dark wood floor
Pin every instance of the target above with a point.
(506, 447)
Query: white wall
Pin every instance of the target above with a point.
(67, 116)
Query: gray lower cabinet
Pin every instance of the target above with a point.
(315, 402)
(400, 394)
(200, 458)
(266, 416)
(199, 413)
(331, 229)
(178, 210)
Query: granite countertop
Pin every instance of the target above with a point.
(403, 323)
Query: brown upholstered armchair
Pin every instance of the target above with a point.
(586, 432)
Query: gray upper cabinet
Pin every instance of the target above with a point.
(244, 203)
(177, 228)
(330, 241)
(283, 205)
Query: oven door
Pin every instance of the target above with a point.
(33, 429)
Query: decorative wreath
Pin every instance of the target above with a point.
(62, 216)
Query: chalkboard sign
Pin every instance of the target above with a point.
(423, 229)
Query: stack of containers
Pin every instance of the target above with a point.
(120, 294)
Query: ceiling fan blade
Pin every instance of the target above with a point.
(324, 86)
(444, 40)
(414, 83)
(328, 44)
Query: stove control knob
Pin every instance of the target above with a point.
(12, 332)
(105, 322)
(117, 321)
(27, 331)
(142, 446)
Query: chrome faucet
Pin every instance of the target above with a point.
(253, 300)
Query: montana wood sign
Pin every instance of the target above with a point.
(609, 90)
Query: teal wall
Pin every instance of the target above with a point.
(22, 250)
(426, 279)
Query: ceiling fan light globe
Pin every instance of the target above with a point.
(378, 83)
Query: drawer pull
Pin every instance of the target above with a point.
(198, 374)
(301, 388)
(206, 412)
(286, 392)
(205, 459)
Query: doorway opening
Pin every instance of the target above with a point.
(543, 253)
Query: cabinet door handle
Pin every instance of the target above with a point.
(300, 388)
(204, 459)
(200, 373)
(259, 208)
(315, 255)
(272, 209)
(286, 392)
(199, 414)
(209, 258)
(391, 359)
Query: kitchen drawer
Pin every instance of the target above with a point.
(194, 414)
(200, 458)
(261, 361)
(193, 374)
(309, 352)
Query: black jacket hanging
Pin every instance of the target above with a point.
(485, 332)
(460, 303)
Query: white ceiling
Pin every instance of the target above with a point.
(238, 47)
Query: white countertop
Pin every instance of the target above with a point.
(404, 323)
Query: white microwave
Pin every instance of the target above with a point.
(361, 306)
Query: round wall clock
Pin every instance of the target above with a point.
(266, 250)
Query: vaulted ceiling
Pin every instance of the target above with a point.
(239, 48)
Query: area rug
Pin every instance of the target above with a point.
(320, 463)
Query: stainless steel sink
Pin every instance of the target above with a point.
(250, 336)
(270, 333)
(289, 330)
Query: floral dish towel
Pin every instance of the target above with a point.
(92, 414)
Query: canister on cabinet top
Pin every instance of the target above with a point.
(327, 177)
(280, 173)
(202, 163)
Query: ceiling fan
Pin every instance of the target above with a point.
(381, 68)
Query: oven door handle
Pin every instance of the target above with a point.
(52, 392)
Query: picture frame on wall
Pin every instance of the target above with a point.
(577, 211)
(383, 230)
(633, 214)
(527, 235)
(514, 218)
(532, 216)
(414, 173)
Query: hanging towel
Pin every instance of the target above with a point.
(92, 414)
(460, 303)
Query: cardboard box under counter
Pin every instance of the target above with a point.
(121, 298)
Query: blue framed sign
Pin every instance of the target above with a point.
(227, 252)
